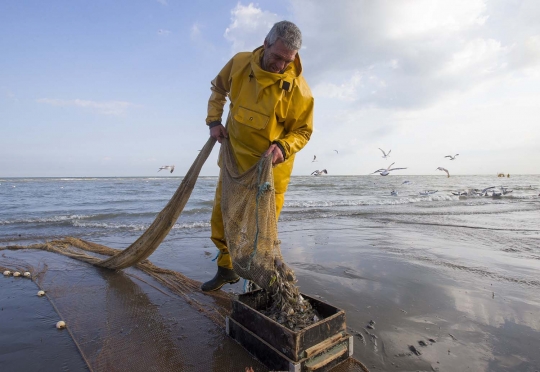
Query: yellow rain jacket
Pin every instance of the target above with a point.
(265, 108)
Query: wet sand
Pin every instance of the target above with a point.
(29, 340)
(407, 312)
(456, 320)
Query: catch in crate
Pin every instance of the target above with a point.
(318, 347)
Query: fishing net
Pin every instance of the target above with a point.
(249, 217)
(102, 319)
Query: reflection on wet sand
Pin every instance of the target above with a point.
(426, 316)
(124, 321)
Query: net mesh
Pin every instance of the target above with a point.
(249, 214)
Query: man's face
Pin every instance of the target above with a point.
(277, 57)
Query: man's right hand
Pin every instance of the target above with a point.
(219, 132)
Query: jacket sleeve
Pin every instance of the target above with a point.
(298, 125)
(220, 88)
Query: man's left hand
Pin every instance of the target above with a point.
(277, 155)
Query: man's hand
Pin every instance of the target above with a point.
(219, 133)
(277, 155)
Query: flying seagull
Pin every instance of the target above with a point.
(336, 151)
(451, 157)
(386, 172)
(171, 167)
(314, 157)
(385, 155)
(318, 172)
(444, 170)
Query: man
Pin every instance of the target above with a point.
(271, 113)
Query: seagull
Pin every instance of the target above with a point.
(505, 190)
(484, 191)
(394, 193)
(386, 172)
(451, 157)
(318, 172)
(385, 155)
(337, 152)
(444, 170)
(314, 157)
(405, 182)
(171, 167)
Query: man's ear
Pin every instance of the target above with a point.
(265, 44)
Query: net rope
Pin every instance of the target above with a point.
(249, 216)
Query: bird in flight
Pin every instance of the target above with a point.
(171, 167)
(318, 172)
(314, 158)
(444, 170)
(386, 172)
(337, 152)
(451, 157)
(385, 155)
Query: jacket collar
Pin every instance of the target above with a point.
(265, 78)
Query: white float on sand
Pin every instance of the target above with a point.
(7, 273)
(41, 293)
(16, 273)
(61, 324)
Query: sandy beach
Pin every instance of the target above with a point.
(455, 320)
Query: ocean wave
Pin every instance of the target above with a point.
(47, 219)
(136, 226)
(378, 201)
(62, 219)
(512, 196)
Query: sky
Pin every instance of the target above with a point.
(119, 88)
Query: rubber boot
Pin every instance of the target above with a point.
(222, 277)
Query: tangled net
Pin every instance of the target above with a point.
(249, 216)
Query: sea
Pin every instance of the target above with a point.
(118, 210)
(38, 209)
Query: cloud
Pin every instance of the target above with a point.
(105, 108)
(409, 54)
(249, 26)
(423, 77)
(526, 56)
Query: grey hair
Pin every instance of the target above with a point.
(287, 32)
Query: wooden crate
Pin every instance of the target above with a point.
(318, 347)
